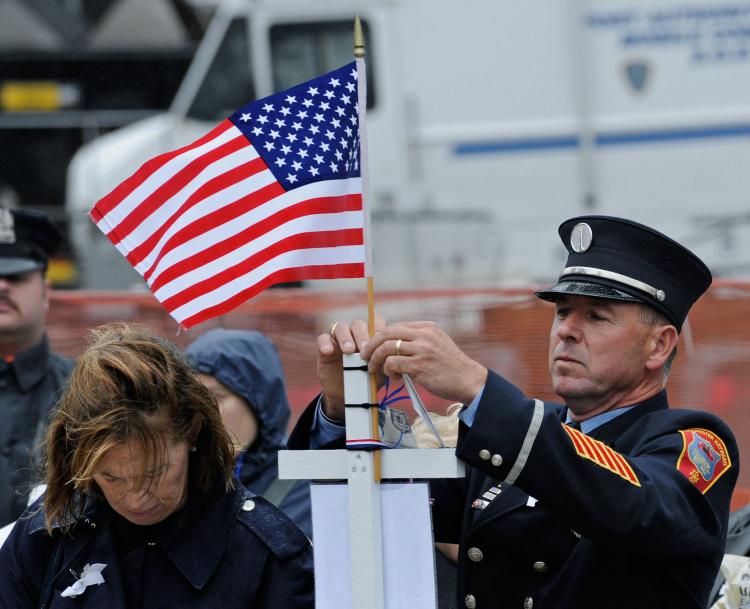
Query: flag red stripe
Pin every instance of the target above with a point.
(352, 236)
(109, 202)
(214, 219)
(302, 273)
(326, 205)
(171, 187)
(217, 184)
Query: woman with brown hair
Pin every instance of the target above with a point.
(140, 509)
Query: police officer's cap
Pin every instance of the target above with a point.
(27, 239)
(619, 259)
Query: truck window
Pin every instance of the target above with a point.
(301, 51)
(228, 84)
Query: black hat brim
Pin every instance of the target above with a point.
(584, 288)
(18, 266)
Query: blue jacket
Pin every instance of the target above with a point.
(248, 364)
(227, 550)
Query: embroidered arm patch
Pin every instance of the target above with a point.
(602, 455)
(704, 458)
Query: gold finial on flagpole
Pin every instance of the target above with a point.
(359, 38)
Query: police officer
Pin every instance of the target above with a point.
(31, 377)
(611, 499)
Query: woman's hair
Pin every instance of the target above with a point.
(129, 386)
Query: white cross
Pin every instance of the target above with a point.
(357, 467)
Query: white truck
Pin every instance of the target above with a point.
(490, 121)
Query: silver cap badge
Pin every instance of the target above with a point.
(581, 237)
(7, 226)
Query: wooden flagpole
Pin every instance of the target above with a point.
(359, 54)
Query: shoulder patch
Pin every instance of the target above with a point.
(704, 458)
(602, 455)
(274, 528)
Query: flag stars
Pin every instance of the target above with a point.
(290, 99)
(309, 141)
(268, 108)
(314, 170)
(325, 106)
(269, 146)
(286, 149)
(318, 117)
(345, 98)
(279, 122)
(291, 137)
(318, 159)
(350, 86)
(296, 126)
(348, 131)
(329, 134)
(307, 103)
(302, 153)
(280, 162)
(296, 165)
(340, 111)
(262, 119)
(324, 147)
(334, 167)
(344, 143)
(257, 131)
(291, 178)
(336, 123)
(329, 94)
(354, 74)
(274, 134)
(314, 129)
(245, 117)
(302, 114)
(334, 82)
(285, 111)
(339, 155)
(312, 91)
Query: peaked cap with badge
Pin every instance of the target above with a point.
(619, 259)
(27, 240)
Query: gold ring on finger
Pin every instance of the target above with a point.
(397, 349)
(332, 329)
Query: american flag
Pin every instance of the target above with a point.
(273, 194)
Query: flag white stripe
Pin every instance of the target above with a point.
(305, 224)
(160, 176)
(325, 256)
(330, 188)
(161, 214)
(206, 207)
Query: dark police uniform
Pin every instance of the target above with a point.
(29, 387)
(632, 515)
(223, 550)
(31, 381)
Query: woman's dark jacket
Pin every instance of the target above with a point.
(227, 550)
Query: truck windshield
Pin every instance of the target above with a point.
(228, 84)
(301, 51)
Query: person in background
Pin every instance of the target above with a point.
(31, 376)
(242, 370)
(141, 510)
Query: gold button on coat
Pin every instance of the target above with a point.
(248, 506)
(484, 454)
(471, 602)
(496, 460)
(540, 567)
(475, 554)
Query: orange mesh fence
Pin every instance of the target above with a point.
(506, 330)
